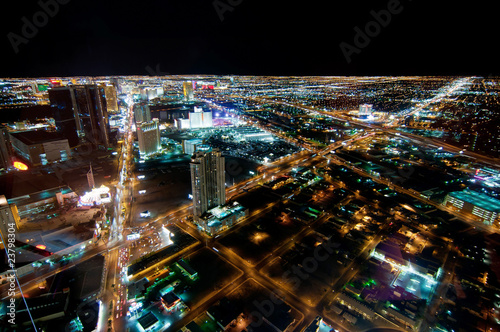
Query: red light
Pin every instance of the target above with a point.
(41, 246)
(20, 166)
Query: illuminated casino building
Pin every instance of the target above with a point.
(142, 113)
(197, 119)
(148, 134)
(188, 91)
(111, 99)
(365, 109)
(97, 196)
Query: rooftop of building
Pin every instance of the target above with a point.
(170, 298)
(43, 306)
(224, 311)
(202, 150)
(40, 196)
(478, 199)
(88, 281)
(26, 184)
(186, 267)
(390, 249)
(224, 211)
(147, 320)
(37, 136)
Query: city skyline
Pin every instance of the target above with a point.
(234, 203)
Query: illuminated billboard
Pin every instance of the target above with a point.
(97, 196)
(20, 166)
(43, 87)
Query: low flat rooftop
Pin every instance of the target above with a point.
(478, 199)
(39, 196)
(19, 184)
(148, 320)
(37, 136)
(221, 212)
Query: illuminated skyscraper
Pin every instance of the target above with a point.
(111, 99)
(117, 82)
(81, 114)
(142, 113)
(188, 91)
(148, 134)
(200, 119)
(365, 109)
(207, 179)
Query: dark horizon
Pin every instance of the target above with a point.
(248, 38)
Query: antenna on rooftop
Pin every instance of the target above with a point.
(90, 178)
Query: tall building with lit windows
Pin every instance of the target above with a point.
(207, 179)
(365, 109)
(9, 219)
(148, 134)
(188, 91)
(111, 98)
(80, 113)
(142, 113)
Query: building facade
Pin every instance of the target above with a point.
(111, 98)
(5, 150)
(142, 113)
(9, 220)
(365, 109)
(200, 119)
(80, 113)
(207, 180)
(221, 218)
(188, 91)
(148, 134)
(195, 120)
(39, 147)
(478, 205)
(189, 146)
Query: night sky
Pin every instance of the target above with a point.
(257, 37)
